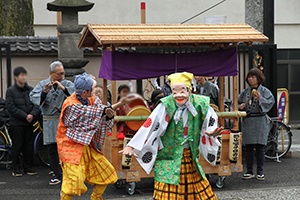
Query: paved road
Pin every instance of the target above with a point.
(282, 182)
(295, 141)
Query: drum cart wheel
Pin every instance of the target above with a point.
(8, 166)
(130, 188)
(208, 176)
(221, 182)
(119, 183)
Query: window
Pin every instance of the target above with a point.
(282, 76)
(294, 77)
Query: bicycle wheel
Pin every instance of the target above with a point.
(279, 140)
(41, 149)
(3, 142)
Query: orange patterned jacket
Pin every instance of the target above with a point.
(69, 151)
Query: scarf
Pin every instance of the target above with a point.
(188, 105)
(84, 102)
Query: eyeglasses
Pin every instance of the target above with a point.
(252, 77)
(97, 93)
(59, 74)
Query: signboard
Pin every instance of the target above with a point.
(283, 104)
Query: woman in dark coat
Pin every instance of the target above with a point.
(256, 100)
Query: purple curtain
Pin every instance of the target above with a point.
(126, 66)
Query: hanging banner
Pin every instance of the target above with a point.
(132, 65)
(283, 104)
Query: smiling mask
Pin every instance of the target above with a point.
(181, 86)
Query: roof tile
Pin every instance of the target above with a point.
(32, 44)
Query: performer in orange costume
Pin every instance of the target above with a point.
(83, 119)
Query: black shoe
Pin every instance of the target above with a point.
(31, 172)
(17, 173)
(248, 175)
(55, 180)
(260, 176)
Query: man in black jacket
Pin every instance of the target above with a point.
(21, 114)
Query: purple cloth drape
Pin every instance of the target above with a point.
(126, 66)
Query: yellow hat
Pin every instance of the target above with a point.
(183, 77)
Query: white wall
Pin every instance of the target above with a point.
(38, 69)
(287, 15)
(287, 23)
(287, 36)
(287, 12)
(128, 11)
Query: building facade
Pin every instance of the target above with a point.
(286, 28)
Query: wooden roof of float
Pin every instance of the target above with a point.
(161, 35)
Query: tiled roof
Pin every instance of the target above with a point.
(34, 45)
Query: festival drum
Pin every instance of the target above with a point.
(136, 108)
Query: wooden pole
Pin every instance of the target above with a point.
(104, 91)
(143, 13)
(113, 97)
(58, 21)
(221, 98)
(236, 114)
(104, 83)
(235, 102)
(139, 82)
(116, 158)
(113, 83)
(113, 101)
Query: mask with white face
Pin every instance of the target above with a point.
(180, 93)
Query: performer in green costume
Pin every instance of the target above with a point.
(180, 127)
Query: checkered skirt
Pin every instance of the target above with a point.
(191, 185)
(94, 169)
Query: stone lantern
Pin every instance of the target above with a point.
(68, 52)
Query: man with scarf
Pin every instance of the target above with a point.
(180, 127)
(83, 119)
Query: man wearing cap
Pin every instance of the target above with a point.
(180, 127)
(84, 119)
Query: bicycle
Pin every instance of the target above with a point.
(279, 139)
(6, 144)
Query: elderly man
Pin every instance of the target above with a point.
(83, 119)
(50, 95)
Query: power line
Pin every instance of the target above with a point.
(203, 12)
